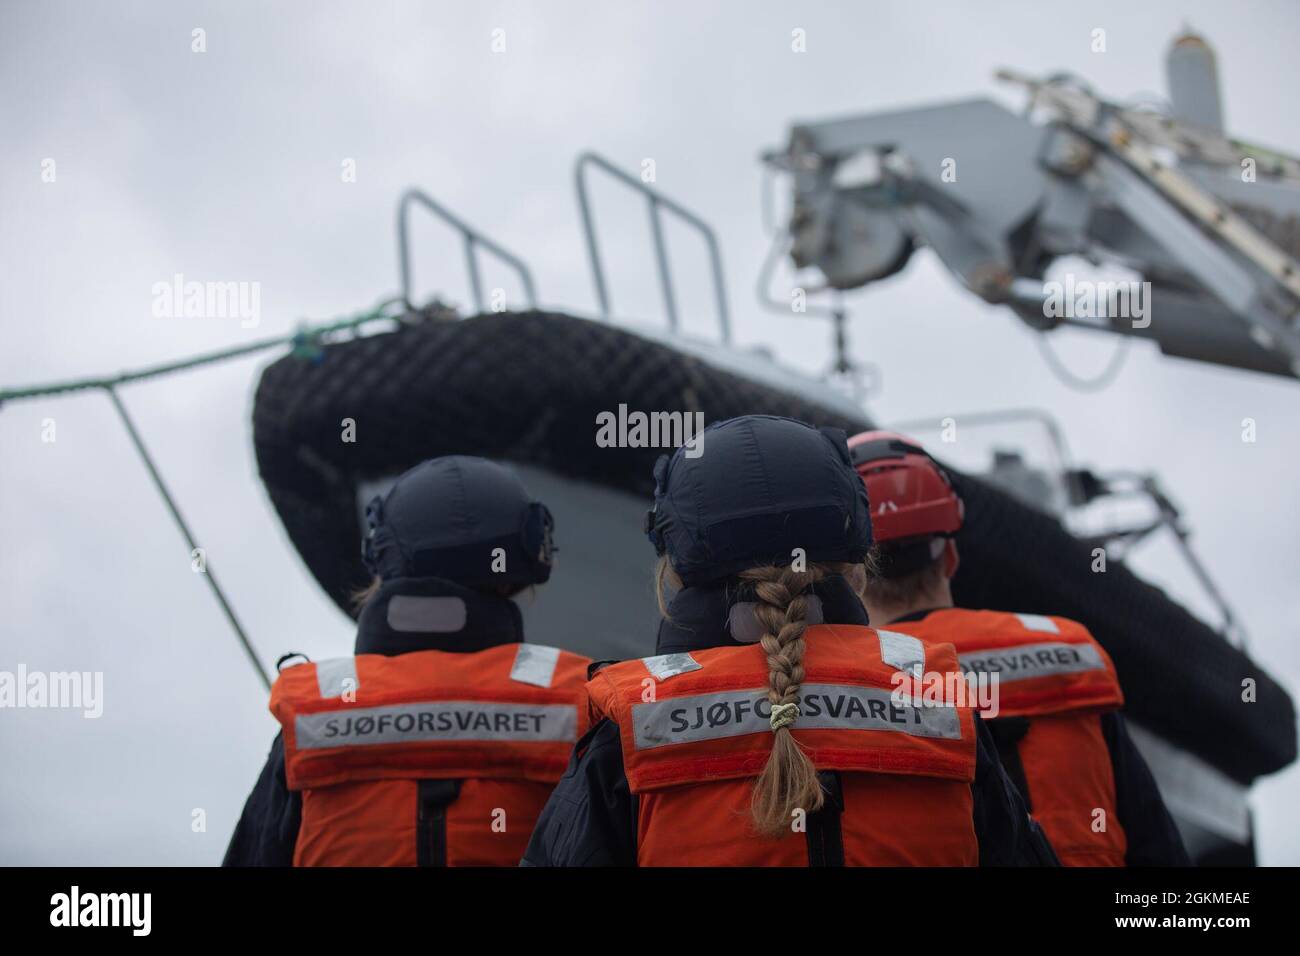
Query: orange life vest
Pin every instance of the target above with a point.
(1050, 670)
(695, 734)
(428, 758)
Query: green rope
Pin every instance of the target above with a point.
(306, 343)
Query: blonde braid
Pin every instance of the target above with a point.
(789, 779)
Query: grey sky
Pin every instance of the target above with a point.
(226, 166)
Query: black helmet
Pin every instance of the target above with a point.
(446, 518)
(759, 488)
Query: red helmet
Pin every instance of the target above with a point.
(910, 495)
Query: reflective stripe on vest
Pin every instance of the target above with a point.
(1044, 665)
(710, 722)
(511, 711)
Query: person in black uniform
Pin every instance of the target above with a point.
(730, 527)
(449, 545)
